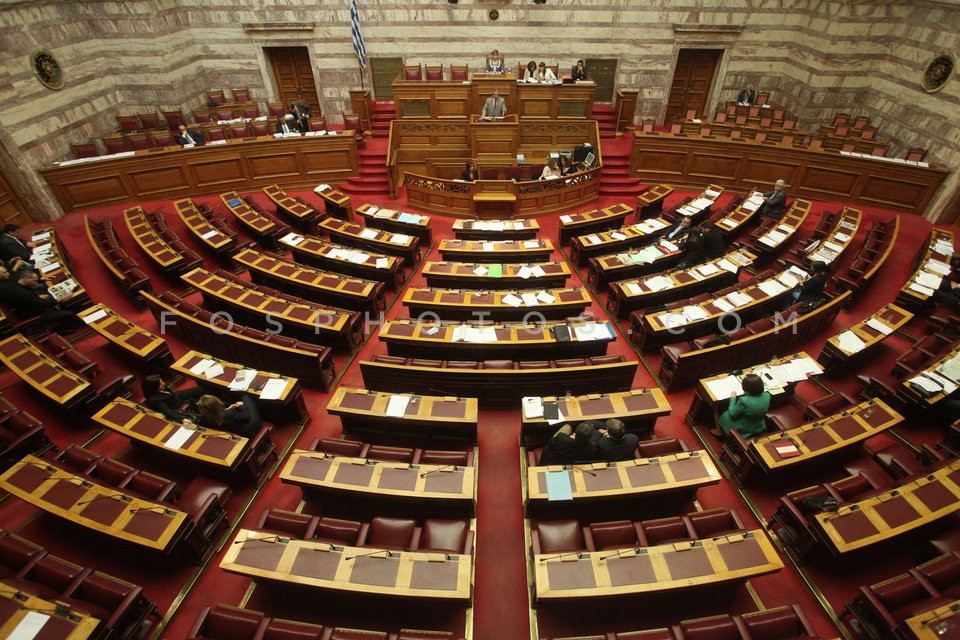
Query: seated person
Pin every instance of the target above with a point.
(713, 241)
(188, 136)
(494, 106)
(286, 126)
(157, 397)
(17, 265)
(566, 166)
(774, 202)
(746, 413)
(678, 229)
(747, 95)
(13, 246)
(563, 449)
(551, 171)
(530, 73)
(25, 298)
(241, 417)
(615, 443)
(544, 73)
(579, 72)
(811, 288)
(470, 173)
(694, 249)
(947, 294)
(495, 63)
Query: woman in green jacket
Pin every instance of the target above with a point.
(746, 413)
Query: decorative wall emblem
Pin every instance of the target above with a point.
(47, 69)
(938, 72)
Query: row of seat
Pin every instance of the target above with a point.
(276, 228)
(121, 266)
(202, 500)
(458, 72)
(380, 532)
(563, 536)
(411, 455)
(120, 606)
(213, 334)
(781, 623)
(200, 219)
(881, 609)
(920, 356)
(20, 433)
(501, 365)
(877, 246)
(161, 245)
(223, 622)
(645, 449)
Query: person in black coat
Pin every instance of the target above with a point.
(157, 397)
(579, 72)
(564, 449)
(470, 173)
(811, 289)
(287, 126)
(713, 241)
(774, 202)
(615, 443)
(694, 249)
(678, 229)
(13, 246)
(241, 417)
(747, 95)
(23, 295)
(188, 136)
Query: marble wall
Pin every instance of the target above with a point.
(818, 57)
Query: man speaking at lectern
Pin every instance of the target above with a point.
(495, 106)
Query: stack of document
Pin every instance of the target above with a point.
(399, 238)
(753, 202)
(879, 327)
(943, 247)
(927, 279)
(849, 342)
(694, 313)
(935, 266)
(708, 269)
(723, 387)
(243, 379)
(951, 368)
(478, 335)
(738, 299)
(409, 218)
(633, 288)
(397, 406)
(593, 331)
(771, 287)
(531, 244)
(726, 265)
(369, 234)
(658, 283)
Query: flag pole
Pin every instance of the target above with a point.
(360, 66)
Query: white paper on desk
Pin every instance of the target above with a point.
(658, 283)
(50, 267)
(723, 305)
(538, 271)
(481, 270)
(433, 330)
(673, 320)
(919, 288)
(397, 406)
(524, 272)
(771, 287)
(383, 263)
(594, 239)
(937, 267)
(209, 234)
(243, 379)
(708, 269)
(710, 193)
(738, 299)
(701, 203)
(531, 244)
(841, 237)
(696, 275)
(833, 247)
(99, 314)
(616, 235)
(927, 279)
(694, 313)
(546, 298)
(488, 246)
(213, 371)
(850, 342)
(29, 627)
(409, 218)
(530, 299)
(369, 234)
(727, 222)
(532, 407)
(399, 238)
(384, 213)
(511, 300)
(926, 384)
(669, 246)
(946, 383)
(201, 366)
(751, 204)
(656, 224)
(558, 486)
(178, 438)
(798, 369)
(292, 239)
(726, 265)
(951, 368)
(776, 237)
(633, 288)
(784, 229)
(40, 236)
(878, 326)
(358, 257)
(723, 387)
(566, 219)
(943, 247)
(273, 389)
(371, 210)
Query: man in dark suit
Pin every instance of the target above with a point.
(579, 72)
(564, 449)
(678, 229)
(188, 136)
(26, 298)
(774, 202)
(712, 240)
(302, 112)
(158, 398)
(13, 246)
(286, 126)
(747, 95)
(615, 443)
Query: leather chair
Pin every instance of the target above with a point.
(174, 119)
(941, 574)
(223, 622)
(241, 95)
(352, 123)
(882, 607)
(384, 532)
(216, 97)
(621, 534)
(458, 73)
(49, 577)
(150, 487)
(288, 523)
(338, 447)
(828, 405)
(215, 133)
(434, 73)
(774, 624)
(446, 536)
(78, 459)
(660, 447)
(664, 531)
(278, 629)
(443, 457)
(111, 473)
(557, 536)
(138, 141)
(421, 362)
(128, 124)
(411, 72)
(85, 150)
(648, 634)
(162, 139)
(714, 523)
(570, 362)
(713, 628)
(391, 454)
(115, 144)
(275, 109)
(17, 555)
(203, 501)
(341, 633)
(498, 364)
(120, 605)
(337, 531)
(260, 129)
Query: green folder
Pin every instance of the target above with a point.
(495, 271)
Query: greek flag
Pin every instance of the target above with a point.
(357, 36)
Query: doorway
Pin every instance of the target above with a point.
(692, 80)
(603, 71)
(293, 75)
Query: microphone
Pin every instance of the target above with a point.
(441, 392)
(270, 539)
(802, 437)
(163, 510)
(579, 555)
(568, 467)
(222, 436)
(446, 466)
(390, 554)
(123, 497)
(635, 551)
(841, 512)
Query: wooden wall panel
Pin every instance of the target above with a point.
(160, 180)
(217, 173)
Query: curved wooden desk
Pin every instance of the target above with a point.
(365, 410)
(59, 621)
(311, 563)
(123, 333)
(638, 408)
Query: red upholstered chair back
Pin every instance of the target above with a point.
(390, 454)
(766, 121)
(899, 591)
(841, 118)
(461, 458)
(215, 133)
(278, 629)
(138, 141)
(715, 628)
(149, 120)
(763, 97)
(660, 447)
(557, 536)
(676, 128)
(753, 111)
(216, 96)
(648, 634)
(391, 533)
(614, 535)
(490, 173)
(943, 573)
(128, 124)
(261, 129)
(450, 536)
(774, 624)
(851, 487)
(230, 623)
(691, 114)
(435, 72)
(78, 458)
(241, 95)
(201, 117)
(56, 573)
(861, 121)
(164, 139)
(238, 131)
(787, 139)
(647, 126)
(458, 72)
(251, 112)
(721, 116)
(736, 134)
(318, 123)
(713, 522)
(664, 530)
(351, 122)
(412, 73)
(275, 109)
(335, 446)
(868, 133)
(916, 154)
(224, 114)
(356, 634)
(335, 530)
(111, 472)
(16, 553)
(816, 143)
(174, 119)
(881, 151)
(88, 150)
(741, 118)
(761, 136)
(706, 131)
(296, 525)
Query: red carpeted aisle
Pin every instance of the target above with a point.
(501, 606)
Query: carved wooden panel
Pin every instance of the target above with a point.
(151, 181)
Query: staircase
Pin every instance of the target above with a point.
(606, 119)
(382, 112)
(373, 172)
(616, 180)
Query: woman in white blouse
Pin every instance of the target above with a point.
(550, 171)
(494, 62)
(544, 73)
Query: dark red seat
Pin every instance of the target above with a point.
(17, 554)
(203, 501)
(278, 629)
(713, 523)
(385, 532)
(356, 634)
(224, 622)
(714, 628)
(557, 536)
(498, 364)
(447, 536)
(120, 605)
(776, 624)
(664, 531)
(621, 534)
(660, 447)
(570, 362)
(463, 364)
(288, 523)
(443, 457)
(338, 447)
(390, 454)
(336, 531)
(942, 574)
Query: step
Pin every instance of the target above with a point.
(610, 160)
(603, 107)
(384, 105)
(604, 117)
(374, 174)
(383, 117)
(380, 133)
(351, 187)
(622, 192)
(618, 180)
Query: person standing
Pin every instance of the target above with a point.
(495, 106)
(13, 246)
(746, 414)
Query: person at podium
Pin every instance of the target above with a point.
(579, 72)
(495, 106)
(495, 63)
